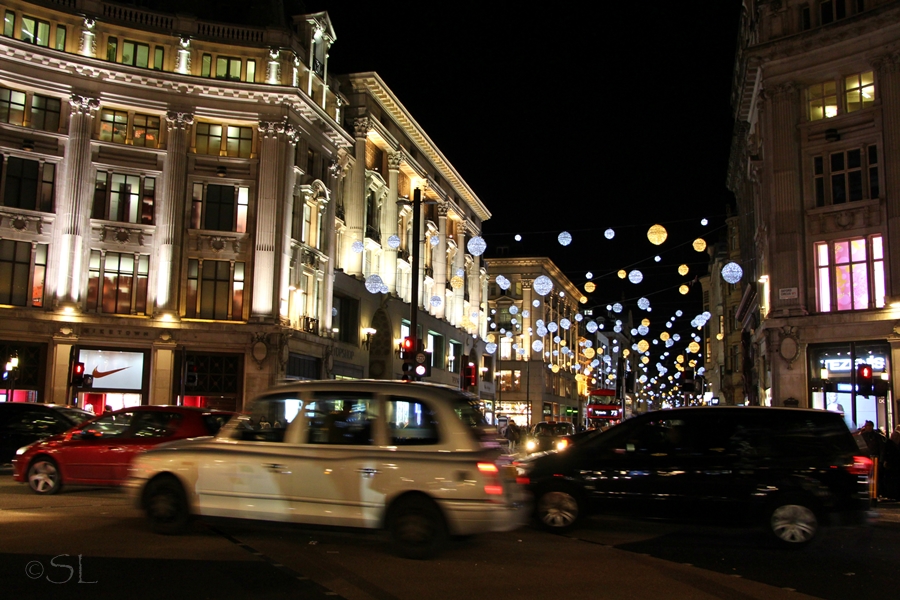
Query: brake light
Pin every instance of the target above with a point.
(492, 486)
(523, 480)
(488, 468)
(862, 465)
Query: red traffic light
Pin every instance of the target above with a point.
(78, 374)
(408, 344)
(864, 371)
(79, 368)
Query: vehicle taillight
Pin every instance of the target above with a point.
(862, 465)
(523, 480)
(492, 486)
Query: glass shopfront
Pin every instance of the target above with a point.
(834, 383)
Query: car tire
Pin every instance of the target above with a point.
(558, 509)
(43, 476)
(166, 506)
(793, 522)
(417, 528)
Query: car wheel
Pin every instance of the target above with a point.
(793, 524)
(558, 509)
(417, 528)
(166, 506)
(44, 477)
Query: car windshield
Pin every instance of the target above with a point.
(552, 429)
(77, 416)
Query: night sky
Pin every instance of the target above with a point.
(571, 119)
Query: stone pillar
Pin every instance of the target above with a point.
(73, 202)
(528, 322)
(272, 161)
(459, 262)
(781, 113)
(329, 247)
(355, 205)
(391, 223)
(169, 212)
(439, 261)
(889, 89)
(288, 147)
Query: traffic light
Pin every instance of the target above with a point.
(78, 374)
(408, 354)
(423, 369)
(864, 379)
(88, 381)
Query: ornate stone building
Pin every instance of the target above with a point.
(180, 202)
(815, 168)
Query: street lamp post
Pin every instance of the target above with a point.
(12, 366)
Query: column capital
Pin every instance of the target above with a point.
(278, 128)
(395, 159)
(179, 120)
(83, 105)
(361, 127)
(443, 209)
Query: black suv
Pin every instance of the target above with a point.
(23, 423)
(789, 468)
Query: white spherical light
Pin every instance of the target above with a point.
(394, 242)
(564, 238)
(374, 284)
(609, 234)
(635, 276)
(357, 247)
(543, 285)
(476, 246)
(732, 272)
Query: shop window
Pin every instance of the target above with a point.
(220, 207)
(35, 31)
(124, 198)
(45, 113)
(117, 283)
(16, 269)
(214, 291)
(850, 274)
(12, 107)
(29, 184)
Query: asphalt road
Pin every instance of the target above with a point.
(91, 542)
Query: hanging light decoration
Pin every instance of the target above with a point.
(732, 272)
(394, 242)
(609, 234)
(664, 335)
(643, 304)
(635, 276)
(591, 326)
(357, 247)
(435, 240)
(476, 246)
(699, 244)
(684, 290)
(622, 273)
(374, 284)
(694, 347)
(542, 285)
(643, 346)
(490, 347)
(456, 282)
(503, 282)
(564, 238)
(617, 308)
(435, 301)
(657, 234)
(683, 270)
(645, 322)
(590, 286)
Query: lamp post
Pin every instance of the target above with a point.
(12, 366)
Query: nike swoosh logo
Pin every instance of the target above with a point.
(98, 374)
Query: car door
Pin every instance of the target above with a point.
(89, 455)
(148, 428)
(338, 473)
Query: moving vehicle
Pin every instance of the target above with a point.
(603, 409)
(790, 469)
(100, 450)
(23, 423)
(416, 459)
(548, 435)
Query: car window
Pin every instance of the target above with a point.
(39, 422)
(112, 425)
(215, 421)
(341, 419)
(269, 418)
(154, 424)
(411, 422)
(75, 415)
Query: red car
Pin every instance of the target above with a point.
(99, 451)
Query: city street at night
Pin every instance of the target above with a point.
(56, 546)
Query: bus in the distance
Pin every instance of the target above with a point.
(603, 409)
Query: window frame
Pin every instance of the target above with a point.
(825, 276)
(140, 208)
(826, 177)
(229, 293)
(201, 217)
(35, 36)
(118, 291)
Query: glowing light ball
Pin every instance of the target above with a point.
(590, 286)
(643, 330)
(460, 273)
(374, 284)
(626, 352)
(732, 272)
(635, 276)
(357, 247)
(503, 282)
(643, 304)
(657, 258)
(565, 323)
(683, 270)
(476, 246)
(456, 282)
(664, 335)
(657, 234)
(536, 303)
(678, 313)
(643, 345)
(435, 240)
(552, 327)
(518, 238)
(704, 222)
(583, 300)
(525, 313)
(694, 347)
(435, 301)
(684, 290)
(490, 347)
(617, 307)
(555, 368)
(589, 353)
(588, 275)
(609, 234)
(680, 358)
(542, 285)
(394, 242)
(513, 310)
(645, 322)
(645, 359)
(578, 317)
(699, 244)
(591, 326)
(564, 238)
(622, 274)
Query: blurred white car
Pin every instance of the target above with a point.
(417, 459)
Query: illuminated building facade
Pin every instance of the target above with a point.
(177, 196)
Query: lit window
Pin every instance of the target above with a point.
(213, 291)
(822, 98)
(146, 131)
(135, 54)
(850, 274)
(35, 32)
(124, 198)
(12, 107)
(117, 283)
(228, 68)
(60, 38)
(859, 91)
(113, 125)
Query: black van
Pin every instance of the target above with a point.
(791, 469)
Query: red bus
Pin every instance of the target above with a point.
(603, 409)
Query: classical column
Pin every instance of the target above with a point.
(73, 202)
(888, 68)
(338, 172)
(459, 263)
(287, 149)
(439, 261)
(273, 155)
(169, 213)
(355, 206)
(786, 204)
(528, 322)
(391, 223)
